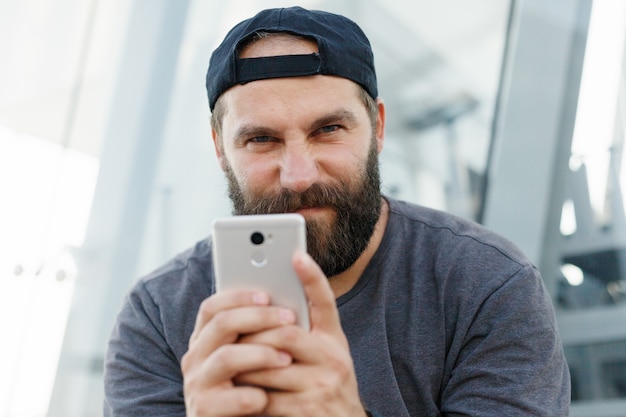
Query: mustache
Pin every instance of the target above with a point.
(286, 201)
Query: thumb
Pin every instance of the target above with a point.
(323, 311)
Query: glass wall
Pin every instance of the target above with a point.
(556, 181)
(57, 65)
(591, 291)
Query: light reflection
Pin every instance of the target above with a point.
(598, 96)
(573, 274)
(568, 218)
(35, 308)
(47, 193)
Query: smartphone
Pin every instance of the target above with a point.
(256, 251)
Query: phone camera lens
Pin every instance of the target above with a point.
(257, 238)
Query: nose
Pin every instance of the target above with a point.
(298, 170)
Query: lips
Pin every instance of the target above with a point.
(311, 209)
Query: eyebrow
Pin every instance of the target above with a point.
(338, 116)
(342, 116)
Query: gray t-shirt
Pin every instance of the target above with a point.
(448, 319)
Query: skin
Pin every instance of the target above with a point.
(246, 357)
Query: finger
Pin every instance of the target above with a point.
(225, 300)
(327, 399)
(292, 378)
(303, 346)
(281, 403)
(228, 325)
(231, 401)
(322, 305)
(230, 360)
(210, 386)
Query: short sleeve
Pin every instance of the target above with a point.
(511, 360)
(142, 375)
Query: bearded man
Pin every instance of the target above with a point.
(413, 312)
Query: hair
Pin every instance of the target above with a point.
(220, 108)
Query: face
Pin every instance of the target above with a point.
(306, 145)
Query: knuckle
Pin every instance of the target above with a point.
(186, 362)
(289, 334)
(339, 374)
(251, 402)
(206, 309)
(344, 375)
(342, 370)
(327, 385)
(221, 321)
(191, 381)
(223, 359)
(196, 405)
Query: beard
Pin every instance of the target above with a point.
(334, 245)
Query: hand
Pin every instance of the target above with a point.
(321, 381)
(214, 357)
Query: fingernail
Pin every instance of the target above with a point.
(287, 316)
(284, 358)
(260, 298)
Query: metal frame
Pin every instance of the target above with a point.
(529, 173)
(107, 261)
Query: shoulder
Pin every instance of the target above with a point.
(165, 302)
(457, 257)
(449, 233)
(191, 270)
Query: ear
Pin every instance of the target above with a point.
(218, 148)
(380, 124)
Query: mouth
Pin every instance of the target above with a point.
(312, 210)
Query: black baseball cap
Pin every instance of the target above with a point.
(344, 51)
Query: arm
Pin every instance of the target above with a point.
(142, 375)
(510, 360)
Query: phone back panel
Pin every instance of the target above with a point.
(242, 259)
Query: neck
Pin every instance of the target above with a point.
(344, 282)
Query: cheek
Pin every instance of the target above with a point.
(347, 165)
(255, 175)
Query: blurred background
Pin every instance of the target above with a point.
(509, 113)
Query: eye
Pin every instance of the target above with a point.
(261, 139)
(261, 143)
(329, 129)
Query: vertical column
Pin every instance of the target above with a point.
(533, 133)
(108, 259)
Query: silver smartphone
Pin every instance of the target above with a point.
(256, 252)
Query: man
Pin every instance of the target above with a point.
(413, 312)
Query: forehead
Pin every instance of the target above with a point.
(291, 97)
(275, 44)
